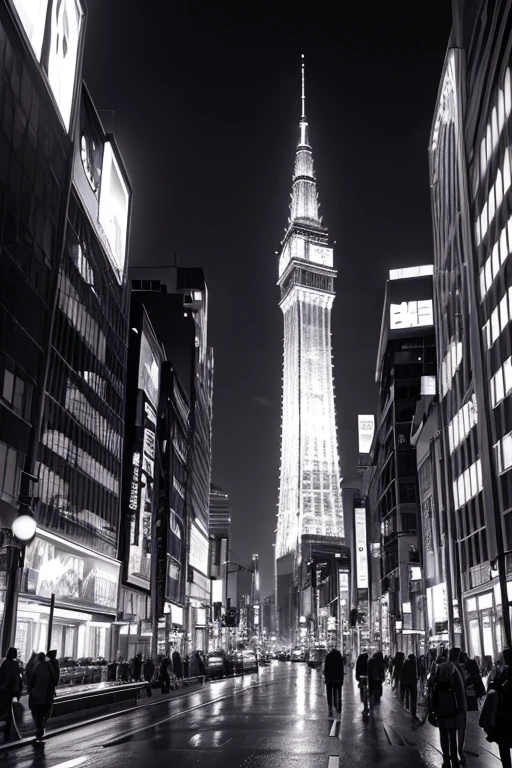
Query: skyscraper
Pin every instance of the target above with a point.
(310, 501)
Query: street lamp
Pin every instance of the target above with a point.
(24, 527)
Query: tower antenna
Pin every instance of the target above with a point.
(303, 96)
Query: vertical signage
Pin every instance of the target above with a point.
(365, 430)
(361, 548)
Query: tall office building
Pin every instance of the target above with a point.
(176, 301)
(471, 187)
(220, 513)
(71, 243)
(310, 500)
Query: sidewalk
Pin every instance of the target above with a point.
(476, 744)
(26, 725)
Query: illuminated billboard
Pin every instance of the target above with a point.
(100, 183)
(365, 431)
(198, 555)
(361, 548)
(113, 208)
(411, 314)
(59, 54)
(141, 497)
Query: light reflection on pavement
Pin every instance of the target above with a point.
(275, 720)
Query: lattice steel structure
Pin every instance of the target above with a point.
(310, 500)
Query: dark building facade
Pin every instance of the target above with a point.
(176, 300)
(406, 367)
(36, 155)
(470, 179)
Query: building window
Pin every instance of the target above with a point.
(9, 474)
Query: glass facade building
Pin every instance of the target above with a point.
(470, 174)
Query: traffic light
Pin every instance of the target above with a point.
(353, 617)
(312, 573)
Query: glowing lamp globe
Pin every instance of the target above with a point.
(24, 527)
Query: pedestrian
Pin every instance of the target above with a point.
(447, 705)
(397, 674)
(334, 677)
(178, 666)
(409, 685)
(29, 668)
(165, 680)
(149, 671)
(376, 675)
(41, 694)
(362, 675)
(496, 715)
(475, 688)
(11, 684)
(137, 667)
(54, 667)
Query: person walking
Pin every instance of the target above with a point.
(334, 676)
(496, 715)
(29, 668)
(149, 671)
(376, 675)
(178, 667)
(475, 688)
(165, 680)
(11, 684)
(41, 694)
(447, 705)
(409, 685)
(397, 675)
(137, 667)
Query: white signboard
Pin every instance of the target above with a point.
(361, 548)
(411, 314)
(65, 27)
(319, 254)
(365, 430)
(198, 557)
(113, 209)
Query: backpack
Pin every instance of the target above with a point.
(444, 698)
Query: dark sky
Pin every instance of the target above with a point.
(206, 111)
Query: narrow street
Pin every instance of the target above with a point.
(276, 719)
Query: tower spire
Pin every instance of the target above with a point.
(304, 202)
(303, 97)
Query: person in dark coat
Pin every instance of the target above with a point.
(54, 667)
(177, 664)
(149, 671)
(334, 676)
(29, 668)
(362, 671)
(409, 684)
(137, 667)
(397, 674)
(376, 675)
(11, 683)
(499, 701)
(41, 694)
(475, 688)
(165, 679)
(447, 702)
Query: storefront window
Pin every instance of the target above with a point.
(474, 639)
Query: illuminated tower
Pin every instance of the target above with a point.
(310, 501)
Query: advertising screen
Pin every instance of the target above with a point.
(411, 314)
(365, 430)
(76, 576)
(361, 548)
(113, 209)
(66, 22)
(198, 557)
(32, 15)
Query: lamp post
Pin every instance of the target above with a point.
(22, 532)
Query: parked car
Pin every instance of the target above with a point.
(249, 661)
(217, 664)
(283, 656)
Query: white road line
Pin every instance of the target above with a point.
(334, 761)
(72, 763)
(333, 728)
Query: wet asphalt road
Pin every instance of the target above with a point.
(276, 720)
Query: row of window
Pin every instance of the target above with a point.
(462, 424)
(499, 116)
(495, 261)
(503, 453)
(450, 366)
(75, 456)
(468, 484)
(500, 318)
(17, 393)
(494, 200)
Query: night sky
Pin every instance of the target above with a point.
(206, 110)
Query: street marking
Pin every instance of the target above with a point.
(333, 728)
(72, 763)
(334, 761)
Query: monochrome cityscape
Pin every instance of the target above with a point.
(132, 615)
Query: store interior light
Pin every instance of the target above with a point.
(24, 527)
